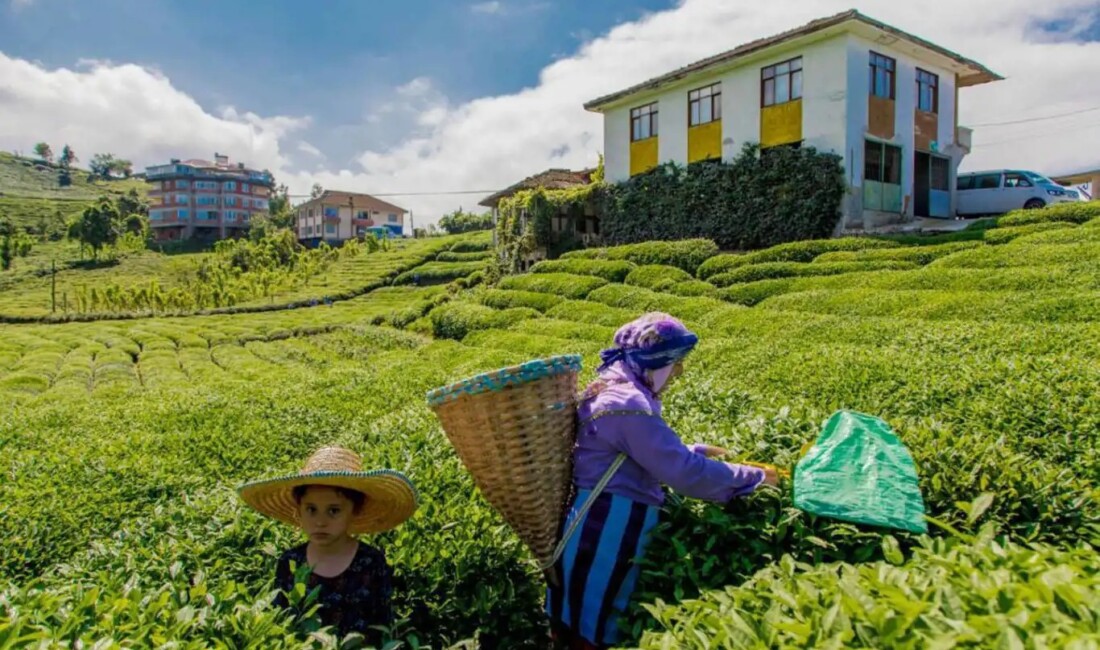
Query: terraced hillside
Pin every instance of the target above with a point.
(119, 521)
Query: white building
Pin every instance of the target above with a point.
(884, 100)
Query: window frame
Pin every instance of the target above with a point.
(933, 81)
(697, 98)
(771, 74)
(647, 112)
(890, 67)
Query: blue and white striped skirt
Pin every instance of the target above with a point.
(598, 569)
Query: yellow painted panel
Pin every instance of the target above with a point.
(643, 155)
(705, 141)
(781, 124)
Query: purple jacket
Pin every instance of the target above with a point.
(614, 422)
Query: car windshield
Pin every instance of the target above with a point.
(1039, 178)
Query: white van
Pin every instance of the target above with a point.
(1003, 190)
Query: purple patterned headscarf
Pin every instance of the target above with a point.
(653, 341)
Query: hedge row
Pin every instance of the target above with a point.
(507, 299)
(773, 270)
(454, 320)
(448, 256)
(657, 276)
(565, 285)
(610, 270)
(1080, 254)
(686, 254)
(692, 288)
(568, 330)
(596, 313)
(438, 272)
(751, 293)
(759, 199)
(1010, 233)
(1069, 212)
(639, 300)
(473, 245)
(917, 254)
(799, 251)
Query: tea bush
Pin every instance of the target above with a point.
(1007, 234)
(456, 320)
(773, 270)
(806, 251)
(948, 592)
(1068, 212)
(438, 272)
(562, 284)
(506, 299)
(612, 271)
(657, 276)
(473, 256)
(692, 288)
(750, 293)
(917, 254)
(721, 264)
(687, 254)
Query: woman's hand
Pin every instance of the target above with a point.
(712, 452)
(771, 476)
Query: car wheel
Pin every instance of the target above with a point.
(1034, 204)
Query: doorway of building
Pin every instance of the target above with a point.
(931, 186)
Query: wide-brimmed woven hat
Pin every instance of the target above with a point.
(391, 497)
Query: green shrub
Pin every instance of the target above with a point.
(448, 256)
(686, 254)
(721, 264)
(610, 270)
(1010, 233)
(1082, 255)
(750, 293)
(568, 330)
(917, 254)
(439, 272)
(1083, 234)
(641, 300)
(692, 288)
(506, 299)
(583, 311)
(565, 285)
(1079, 212)
(482, 242)
(455, 320)
(773, 270)
(961, 592)
(806, 251)
(657, 276)
(758, 199)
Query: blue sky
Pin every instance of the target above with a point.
(336, 64)
(428, 96)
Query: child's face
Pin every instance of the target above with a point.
(325, 514)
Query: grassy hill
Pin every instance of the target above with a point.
(32, 199)
(120, 522)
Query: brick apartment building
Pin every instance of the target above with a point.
(205, 200)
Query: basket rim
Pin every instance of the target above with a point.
(510, 376)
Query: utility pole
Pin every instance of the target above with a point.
(53, 286)
(412, 224)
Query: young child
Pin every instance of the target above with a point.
(620, 413)
(332, 500)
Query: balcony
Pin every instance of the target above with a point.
(964, 136)
(363, 221)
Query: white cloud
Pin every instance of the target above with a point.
(309, 149)
(491, 142)
(493, 7)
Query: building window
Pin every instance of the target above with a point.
(182, 214)
(705, 105)
(244, 187)
(362, 214)
(781, 83)
(941, 174)
(928, 92)
(643, 122)
(393, 218)
(231, 200)
(230, 186)
(181, 199)
(883, 70)
(331, 212)
(181, 185)
(330, 229)
(261, 204)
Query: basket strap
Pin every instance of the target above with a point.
(604, 480)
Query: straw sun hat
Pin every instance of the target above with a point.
(391, 497)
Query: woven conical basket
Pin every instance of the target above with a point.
(514, 430)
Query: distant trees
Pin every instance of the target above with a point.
(316, 191)
(99, 225)
(13, 243)
(43, 151)
(106, 166)
(68, 157)
(460, 222)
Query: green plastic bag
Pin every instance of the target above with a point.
(859, 471)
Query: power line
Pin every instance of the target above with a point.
(1033, 136)
(1037, 119)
